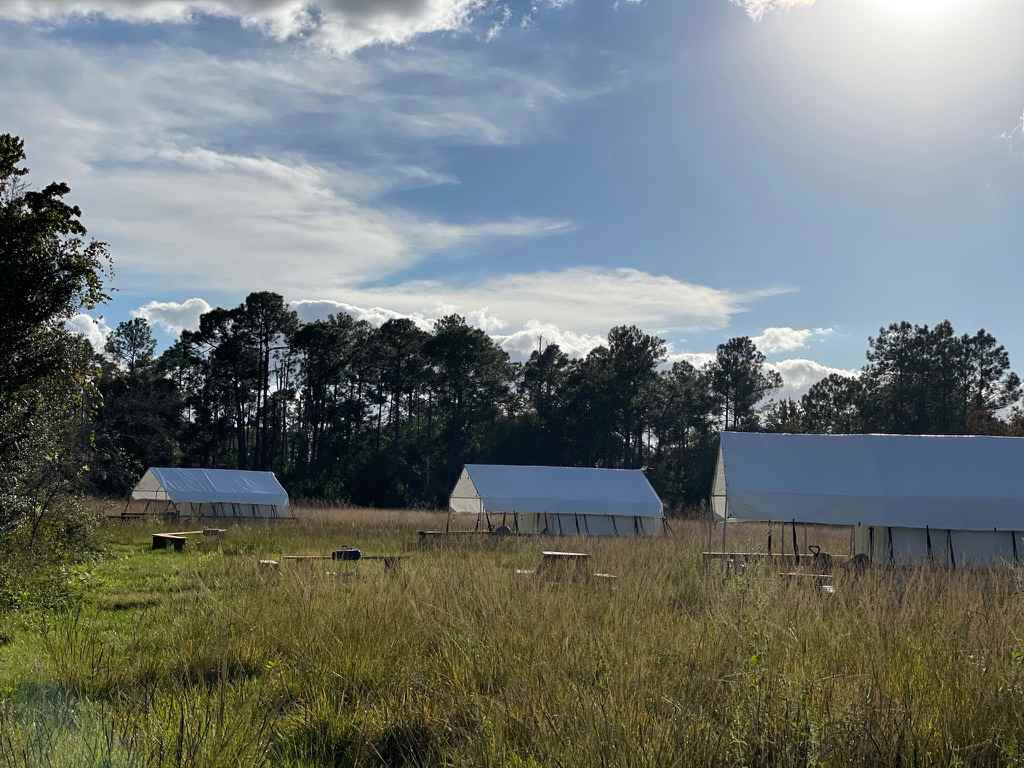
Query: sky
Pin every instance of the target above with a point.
(799, 172)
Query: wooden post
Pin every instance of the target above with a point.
(892, 552)
(949, 543)
(1013, 539)
(796, 552)
(928, 540)
(769, 537)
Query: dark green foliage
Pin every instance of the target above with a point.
(388, 416)
(50, 272)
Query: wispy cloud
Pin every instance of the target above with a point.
(343, 26)
(756, 9)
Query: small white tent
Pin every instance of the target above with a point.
(948, 500)
(213, 492)
(559, 501)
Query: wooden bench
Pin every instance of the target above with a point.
(178, 538)
(161, 540)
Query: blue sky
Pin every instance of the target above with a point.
(799, 172)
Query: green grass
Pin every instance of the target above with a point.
(203, 658)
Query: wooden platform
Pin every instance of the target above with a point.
(177, 539)
(567, 565)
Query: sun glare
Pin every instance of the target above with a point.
(921, 10)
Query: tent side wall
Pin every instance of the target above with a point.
(230, 510)
(552, 524)
(947, 548)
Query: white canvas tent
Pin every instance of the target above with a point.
(212, 492)
(559, 501)
(911, 499)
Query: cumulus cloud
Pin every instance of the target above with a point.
(799, 375)
(173, 316)
(320, 309)
(536, 336)
(342, 26)
(94, 329)
(756, 9)
(518, 343)
(774, 340)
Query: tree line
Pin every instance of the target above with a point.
(387, 415)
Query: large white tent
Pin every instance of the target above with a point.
(213, 492)
(947, 500)
(559, 501)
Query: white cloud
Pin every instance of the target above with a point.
(756, 9)
(173, 316)
(311, 310)
(784, 339)
(138, 149)
(342, 26)
(696, 359)
(522, 343)
(589, 300)
(94, 329)
(799, 375)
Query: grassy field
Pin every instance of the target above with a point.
(203, 658)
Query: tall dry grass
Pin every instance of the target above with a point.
(455, 660)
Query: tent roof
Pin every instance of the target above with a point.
(225, 486)
(559, 490)
(959, 483)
